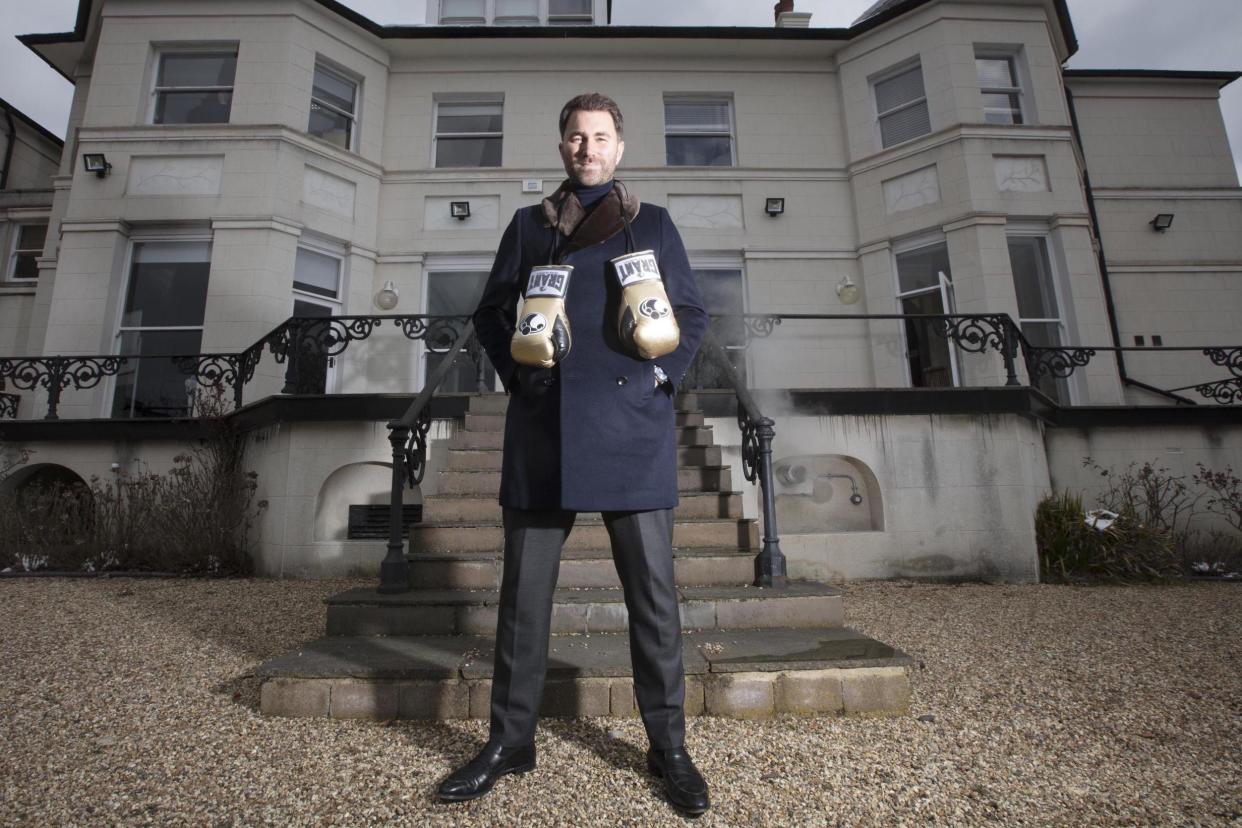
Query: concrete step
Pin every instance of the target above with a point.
(496, 403)
(364, 611)
(744, 674)
(475, 509)
(496, 422)
(430, 537)
(689, 479)
(491, 459)
(579, 569)
(467, 439)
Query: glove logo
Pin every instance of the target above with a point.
(532, 323)
(653, 308)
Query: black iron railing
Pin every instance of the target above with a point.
(304, 345)
(982, 333)
(758, 432)
(408, 437)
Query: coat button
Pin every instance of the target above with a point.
(622, 380)
(548, 381)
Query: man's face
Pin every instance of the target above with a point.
(590, 147)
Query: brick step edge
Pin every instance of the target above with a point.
(856, 691)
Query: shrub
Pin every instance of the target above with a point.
(1129, 549)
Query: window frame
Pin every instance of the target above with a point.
(152, 235)
(497, 98)
(13, 251)
(948, 303)
(725, 262)
(888, 74)
(541, 17)
(1013, 55)
(159, 50)
(441, 264)
(330, 68)
(702, 97)
(1059, 293)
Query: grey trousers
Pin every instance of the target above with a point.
(642, 550)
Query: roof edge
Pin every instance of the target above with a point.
(32, 123)
(1222, 78)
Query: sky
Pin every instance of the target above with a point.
(1112, 34)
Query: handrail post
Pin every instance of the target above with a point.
(1009, 347)
(395, 569)
(770, 570)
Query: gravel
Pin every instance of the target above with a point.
(132, 702)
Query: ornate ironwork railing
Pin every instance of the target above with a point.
(997, 332)
(8, 406)
(408, 438)
(303, 344)
(757, 434)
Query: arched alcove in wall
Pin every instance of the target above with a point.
(350, 485)
(826, 493)
(26, 480)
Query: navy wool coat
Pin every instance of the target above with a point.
(592, 433)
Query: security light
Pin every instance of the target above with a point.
(459, 210)
(1162, 222)
(96, 163)
(774, 206)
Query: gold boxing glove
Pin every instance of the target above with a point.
(542, 335)
(645, 321)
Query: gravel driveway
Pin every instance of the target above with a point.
(131, 702)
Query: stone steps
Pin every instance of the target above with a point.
(498, 403)
(496, 422)
(579, 569)
(477, 440)
(433, 537)
(491, 459)
(735, 673)
(364, 611)
(445, 510)
(689, 479)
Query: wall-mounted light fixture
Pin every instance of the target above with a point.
(387, 297)
(1162, 222)
(774, 206)
(847, 291)
(459, 210)
(96, 163)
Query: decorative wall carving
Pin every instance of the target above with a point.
(175, 175)
(911, 190)
(328, 192)
(1021, 173)
(706, 212)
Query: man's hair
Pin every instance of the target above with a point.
(593, 102)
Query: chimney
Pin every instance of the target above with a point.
(787, 18)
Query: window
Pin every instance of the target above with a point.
(27, 247)
(334, 99)
(569, 12)
(468, 133)
(517, 12)
(723, 295)
(698, 132)
(1039, 315)
(1002, 93)
(163, 314)
(316, 293)
(463, 12)
(194, 87)
(513, 12)
(901, 105)
(925, 286)
(456, 293)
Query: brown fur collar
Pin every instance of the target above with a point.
(583, 229)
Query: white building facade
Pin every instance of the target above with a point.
(266, 159)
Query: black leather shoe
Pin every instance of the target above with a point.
(477, 776)
(682, 781)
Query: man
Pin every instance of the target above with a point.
(595, 432)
